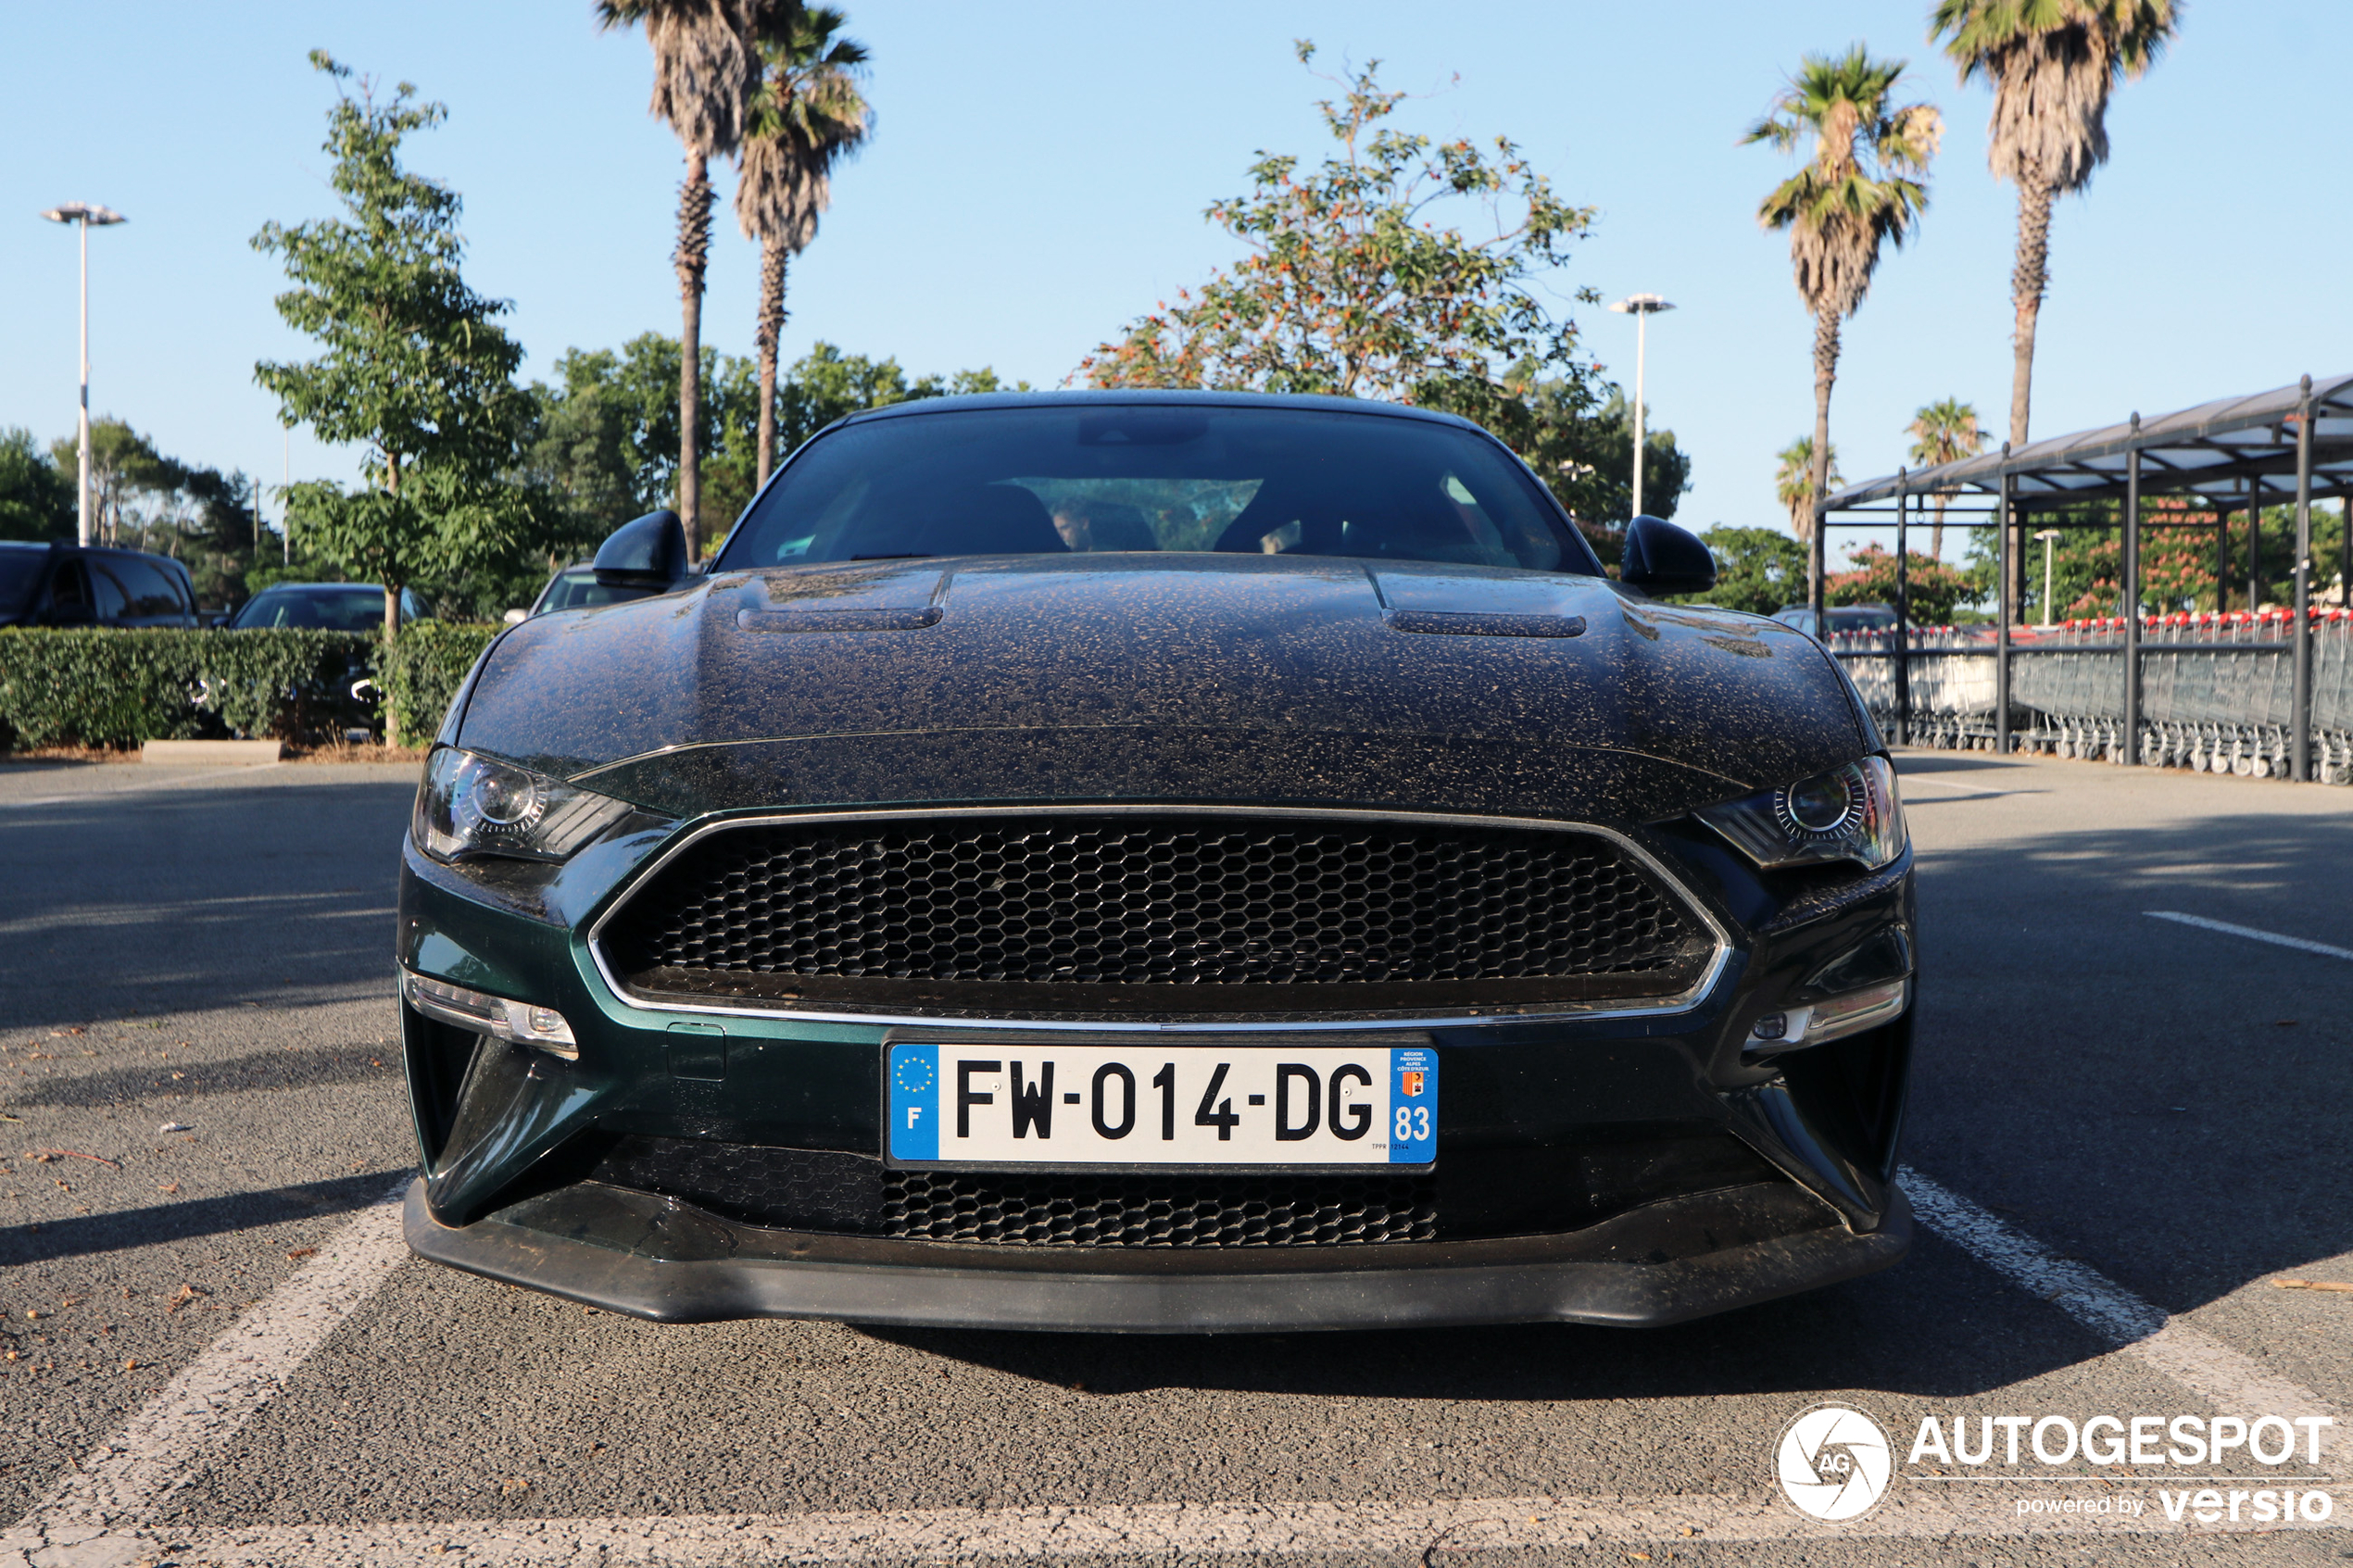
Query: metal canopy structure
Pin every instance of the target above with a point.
(2291, 444)
(2211, 451)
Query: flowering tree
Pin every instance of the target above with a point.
(1934, 587)
(1353, 287)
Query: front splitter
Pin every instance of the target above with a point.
(1521, 1284)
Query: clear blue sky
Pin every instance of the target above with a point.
(1038, 174)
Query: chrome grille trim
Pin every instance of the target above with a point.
(1680, 1002)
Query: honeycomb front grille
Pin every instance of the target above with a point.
(1151, 914)
(1091, 1210)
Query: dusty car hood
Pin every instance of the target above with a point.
(1139, 674)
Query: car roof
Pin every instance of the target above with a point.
(983, 401)
(323, 588)
(45, 546)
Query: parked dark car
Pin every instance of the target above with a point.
(1158, 862)
(1843, 618)
(576, 587)
(323, 607)
(65, 585)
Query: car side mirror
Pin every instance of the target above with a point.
(647, 553)
(1662, 560)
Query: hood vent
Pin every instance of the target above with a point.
(1481, 623)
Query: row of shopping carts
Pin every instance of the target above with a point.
(2217, 691)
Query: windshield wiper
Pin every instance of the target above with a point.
(903, 554)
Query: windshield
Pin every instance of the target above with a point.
(20, 571)
(572, 590)
(360, 608)
(1111, 477)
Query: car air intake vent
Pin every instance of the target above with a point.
(1189, 1211)
(1152, 915)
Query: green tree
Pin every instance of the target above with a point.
(413, 366)
(1799, 480)
(1586, 456)
(705, 63)
(1757, 570)
(2053, 64)
(1856, 195)
(1353, 287)
(1944, 433)
(127, 476)
(604, 443)
(807, 114)
(36, 498)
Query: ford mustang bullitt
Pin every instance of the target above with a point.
(1157, 862)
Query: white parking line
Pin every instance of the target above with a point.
(2227, 929)
(167, 1443)
(2233, 1383)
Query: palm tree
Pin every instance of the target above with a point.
(1854, 194)
(1797, 484)
(1944, 432)
(2052, 64)
(806, 113)
(703, 72)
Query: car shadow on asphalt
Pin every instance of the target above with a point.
(1936, 1326)
(194, 1079)
(298, 891)
(87, 1234)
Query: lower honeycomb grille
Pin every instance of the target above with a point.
(1479, 1193)
(1154, 1212)
(1154, 914)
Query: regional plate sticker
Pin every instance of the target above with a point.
(1412, 1099)
(914, 1102)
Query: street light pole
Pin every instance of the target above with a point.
(84, 214)
(1641, 306)
(2046, 535)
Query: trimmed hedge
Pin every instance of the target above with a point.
(119, 688)
(421, 671)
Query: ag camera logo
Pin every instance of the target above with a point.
(1834, 1463)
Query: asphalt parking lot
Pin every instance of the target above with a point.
(2125, 1129)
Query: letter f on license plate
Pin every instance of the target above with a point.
(1026, 1103)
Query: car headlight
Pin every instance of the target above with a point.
(1850, 814)
(472, 805)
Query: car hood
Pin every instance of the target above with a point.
(1188, 676)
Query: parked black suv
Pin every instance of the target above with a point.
(66, 585)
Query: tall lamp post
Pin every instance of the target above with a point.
(2047, 535)
(85, 214)
(1641, 306)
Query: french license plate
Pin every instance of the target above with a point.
(1053, 1104)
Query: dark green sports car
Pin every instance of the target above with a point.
(1157, 861)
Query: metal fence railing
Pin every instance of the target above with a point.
(2216, 690)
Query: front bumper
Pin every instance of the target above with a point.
(1680, 1257)
(1633, 1169)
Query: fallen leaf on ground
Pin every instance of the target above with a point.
(300, 1252)
(167, 1187)
(77, 1154)
(2312, 1285)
